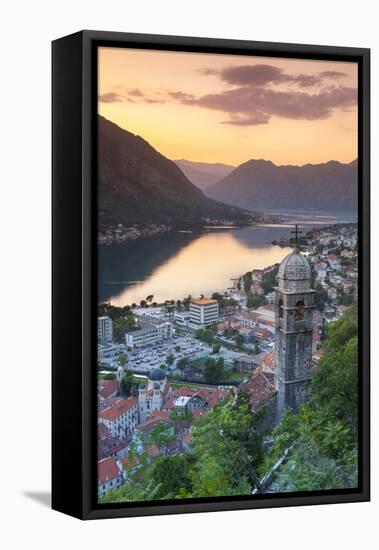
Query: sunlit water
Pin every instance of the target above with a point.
(174, 265)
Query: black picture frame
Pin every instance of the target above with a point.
(74, 272)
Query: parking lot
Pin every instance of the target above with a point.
(150, 357)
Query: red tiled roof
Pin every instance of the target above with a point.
(260, 386)
(106, 388)
(244, 330)
(170, 403)
(109, 446)
(118, 409)
(263, 333)
(268, 362)
(107, 470)
(162, 415)
(102, 431)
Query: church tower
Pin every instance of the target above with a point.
(293, 332)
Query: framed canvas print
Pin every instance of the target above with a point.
(210, 275)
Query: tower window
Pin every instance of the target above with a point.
(280, 304)
(299, 311)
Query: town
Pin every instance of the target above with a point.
(161, 367)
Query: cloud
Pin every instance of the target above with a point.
(332, 74)
(131, 96)
(258, 118)
(252, 75)
(250, 106)
(263, 75)
(152, 101)
(135, 93)
(181, 96)
(111, 97)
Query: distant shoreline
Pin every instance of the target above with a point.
(120, 233)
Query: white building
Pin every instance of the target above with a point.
(153, 396)
(182, 316)
(105, 329)
(110, 475)
(203, 312)
(152, 330)
(121, 418)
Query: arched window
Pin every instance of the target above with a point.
(299, 311)
(280, 304)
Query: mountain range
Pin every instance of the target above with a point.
(204, 174)
(136, 184)
(261, 185)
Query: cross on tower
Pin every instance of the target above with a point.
(296, 233)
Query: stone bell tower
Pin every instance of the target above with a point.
(293, 331)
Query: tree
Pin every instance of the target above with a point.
(177, 349)
(255, 300)
(122, 359)
(182, 364)
(127, 384)
(172, 475)
(204, 335)
(121, 325)
(269, 279)
(320, 297)
(216, 348)
(239, 339)
(257, 347)
(150, 298)
(110, 376)
(170, 359)
(214, 370)
(227, 466)
(143, 303)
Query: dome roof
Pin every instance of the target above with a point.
(295, 267)
(157, 374)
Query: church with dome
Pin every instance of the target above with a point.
(153, 395)
(283, 378)
(293, 332)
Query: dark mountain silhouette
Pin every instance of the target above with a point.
(136, 184)
(204, 174)
(262, 185)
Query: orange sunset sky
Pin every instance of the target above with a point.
(222, 108)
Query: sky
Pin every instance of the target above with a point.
(230, 109)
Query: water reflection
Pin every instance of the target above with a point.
(173, 266)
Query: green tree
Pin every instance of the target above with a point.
(216, 348)
(182, 364)
(110, 376)
(170, 359)
(122, 359)
(239, 339)
(204, 335)
(320, 297)
(214, 370)
(121, 325)
(255, 300)
(127, 384)
(172, 475)
(228, 465)
(269, 281)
